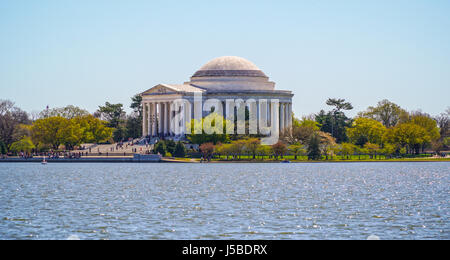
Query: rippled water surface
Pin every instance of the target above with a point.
(225, 201)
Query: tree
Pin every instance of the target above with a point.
(365, 130)
(386, 112)
(326, 144)
(372, 149)
(113, 113)
(409, 136)
(313, 149)
(335, 121)
(160, 148)
(264, 150)
(171, 145)
(71, 134)
(224, 149)
(136, 104)
(23, 145)
(207, 150)
(301, 131)
(297, 149)
(49, 131)
(279, 149)
(251, 146)
(430, 127)
(10, 118)
(237, 148)
(180, 150)
(68, 112)
(339, 104)
(3, 149)
(347, 149)
(134, 121)
(94, 130)
(202, 132)
(443, 122)
(133, 126)
(389, 150)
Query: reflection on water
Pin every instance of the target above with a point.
(225, 201)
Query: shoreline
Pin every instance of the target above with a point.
(187, 160)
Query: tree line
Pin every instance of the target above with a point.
(67, 127)
(383, 130)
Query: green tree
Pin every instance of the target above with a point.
(160, 148)
(264, 150)
(389, 150)
(347, 149)
(180, 150)
(238, 148)
(251, 146)
(366, 130)
(335, 121)
(313, 149)
(372, 149)
(94, 130)
(134, 121)
(170, 144)
(409, 136)
(301, 131)
(430, 127)
(224, 149)
(71, 134)
(115, 115)
(23, 145)
(133, 126)
(297, 149)
(52, 131)
(3, 149)
(68, 112)
(207, 130)
(386, 112)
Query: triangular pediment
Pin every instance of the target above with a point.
(161, 89)
(172, 89)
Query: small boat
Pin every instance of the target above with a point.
(285, 161)
(44, 162)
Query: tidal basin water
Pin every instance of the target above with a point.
(225, 201)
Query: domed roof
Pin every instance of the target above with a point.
(229, 66)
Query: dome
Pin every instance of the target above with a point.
(229, 66)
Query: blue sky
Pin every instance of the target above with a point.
(84, 53)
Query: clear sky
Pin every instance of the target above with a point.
(84, 53)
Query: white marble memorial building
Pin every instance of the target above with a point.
(223, 79)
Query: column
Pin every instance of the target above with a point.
(153, 121)
(144, 119)
(281, 117)
(164, 111)
(286, 116)
(149, 119)
(160, 118)
(167, 118)
(290, 115)
(170, 109)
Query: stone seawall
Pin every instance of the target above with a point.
(136, 159)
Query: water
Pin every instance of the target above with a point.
(225, 201)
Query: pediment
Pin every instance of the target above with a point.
(161, 89)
